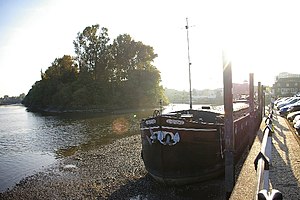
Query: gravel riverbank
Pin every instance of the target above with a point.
(114, 171)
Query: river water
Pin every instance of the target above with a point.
(30, 142)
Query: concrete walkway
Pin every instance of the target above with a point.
(285, 166)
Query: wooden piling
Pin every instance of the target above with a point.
(228, 125)
(251, 93)
(259, 99)
(251, 133)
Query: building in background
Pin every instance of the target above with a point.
(240, 89)
(286, 84)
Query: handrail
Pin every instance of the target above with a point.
(262, 165)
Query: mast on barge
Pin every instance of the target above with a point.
(189, 60)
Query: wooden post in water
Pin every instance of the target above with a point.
(228, 125)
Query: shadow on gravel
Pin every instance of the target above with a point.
(147, 188)
(282, 175)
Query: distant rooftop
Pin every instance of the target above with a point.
(288, 75)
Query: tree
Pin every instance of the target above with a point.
(62, 69)
(131, 70)
(117, 75)
(128, 55)
(147, 90)
(91, 50)
(6, 100)
(53, 88)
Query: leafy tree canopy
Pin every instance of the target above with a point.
(6, 100)
(62, 69)
(102, 75)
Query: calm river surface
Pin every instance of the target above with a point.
(29, 142)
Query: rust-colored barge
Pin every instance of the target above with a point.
(188, 145)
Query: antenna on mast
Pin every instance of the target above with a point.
(189, 60)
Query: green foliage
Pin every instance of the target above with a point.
(102, 75)
(91, 48)
(6, 100)
(63, 70)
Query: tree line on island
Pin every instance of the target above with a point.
(102, 75)
(7, 100)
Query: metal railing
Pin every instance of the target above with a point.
(262, 165)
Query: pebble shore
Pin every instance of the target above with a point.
(114, 171)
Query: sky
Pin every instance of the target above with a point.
(258, 36)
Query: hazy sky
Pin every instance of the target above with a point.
(261, 37)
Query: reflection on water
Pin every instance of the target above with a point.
(15, 166)
(29, 141)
